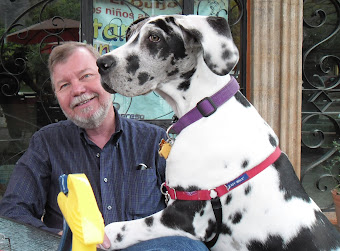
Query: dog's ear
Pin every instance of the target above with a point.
(219, 51)
(131, 26)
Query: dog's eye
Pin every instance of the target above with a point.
(154, 38)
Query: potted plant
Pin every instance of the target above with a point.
(336, 199)
(332, 166)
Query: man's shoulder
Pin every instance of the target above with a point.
(62, 126)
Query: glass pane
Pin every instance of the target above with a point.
(320, 158)
(28, 31)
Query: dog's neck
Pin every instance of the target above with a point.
(203, 83)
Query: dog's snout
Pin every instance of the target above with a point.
(105, 63)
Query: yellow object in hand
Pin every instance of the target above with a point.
(81, 213)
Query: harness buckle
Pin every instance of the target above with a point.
(200, 107)
(166, 193)
(213, 193)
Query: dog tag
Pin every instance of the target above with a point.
(164, 149)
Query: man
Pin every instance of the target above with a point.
(119, 156)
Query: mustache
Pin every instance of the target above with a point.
(82, 99)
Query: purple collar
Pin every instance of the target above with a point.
(207, 106)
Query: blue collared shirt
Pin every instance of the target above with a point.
(123, 190)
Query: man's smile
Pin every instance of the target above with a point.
(82, 100)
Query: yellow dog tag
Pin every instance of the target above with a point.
(164, 149)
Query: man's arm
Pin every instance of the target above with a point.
(26, 194)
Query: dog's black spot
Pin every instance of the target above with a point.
(172, 44)
(132, 64)
(160, 23)
(247, 190)
(188, 74)
(202, 213)
(320, 236)
(149, 221)
(245, 164)
(229, 197)
(173, 61)
(177, 47)
(119, 237)
(196, 35)
(228, 68)
(184, 86)
(289, 183)
(123, 228)
(272, 243)
(174, 72)
(272, 140)
(210, 64)
(188, 189)
(210, 229)
(330, 237)
(225, 229)
(143, 77)
(225, 55)
(236, 218)
(220, 25)
(170, 20)
(242, 100)
(180, 215)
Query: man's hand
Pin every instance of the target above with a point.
(106, 243)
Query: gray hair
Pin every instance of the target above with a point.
(62, 52)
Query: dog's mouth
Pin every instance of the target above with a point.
(108, 88)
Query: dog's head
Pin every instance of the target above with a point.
(165, 50)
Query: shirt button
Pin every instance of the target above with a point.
(109, 207)
(105, 180)
(98, 155)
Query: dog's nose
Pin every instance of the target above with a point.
(105, 63)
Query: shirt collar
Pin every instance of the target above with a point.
(115, 136)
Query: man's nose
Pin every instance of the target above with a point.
(78, 88)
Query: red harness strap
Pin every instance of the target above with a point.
(223, 189)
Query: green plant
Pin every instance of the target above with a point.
(332, 166)
(336, 163)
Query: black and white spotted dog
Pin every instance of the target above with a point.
(224, 151)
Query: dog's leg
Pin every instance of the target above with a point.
(175, 220)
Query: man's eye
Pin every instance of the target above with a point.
(85, 76)
(62, 86)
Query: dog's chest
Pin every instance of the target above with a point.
(217, 148)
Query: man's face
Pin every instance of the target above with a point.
(78, 90)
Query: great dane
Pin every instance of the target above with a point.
(227, 181)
